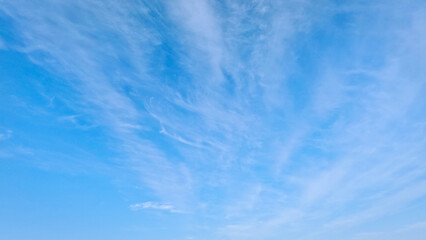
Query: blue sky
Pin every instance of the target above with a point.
(212, 120)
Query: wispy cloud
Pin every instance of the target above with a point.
(154, 206)
(265, 117)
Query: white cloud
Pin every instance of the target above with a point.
(155, 206)
(240, 120)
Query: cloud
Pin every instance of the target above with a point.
(95, 92)
(269, 118)
(154, 206)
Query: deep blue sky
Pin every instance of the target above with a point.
(212, 120)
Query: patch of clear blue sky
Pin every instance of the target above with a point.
(212, 120)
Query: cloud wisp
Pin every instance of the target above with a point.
(154, 206)
(262, 118)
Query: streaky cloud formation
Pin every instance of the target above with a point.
(252, 119)
(152, 205)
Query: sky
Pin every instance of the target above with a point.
(212, 120)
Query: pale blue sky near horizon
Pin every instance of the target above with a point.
(212, 120)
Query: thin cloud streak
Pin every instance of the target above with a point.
(154, 206)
